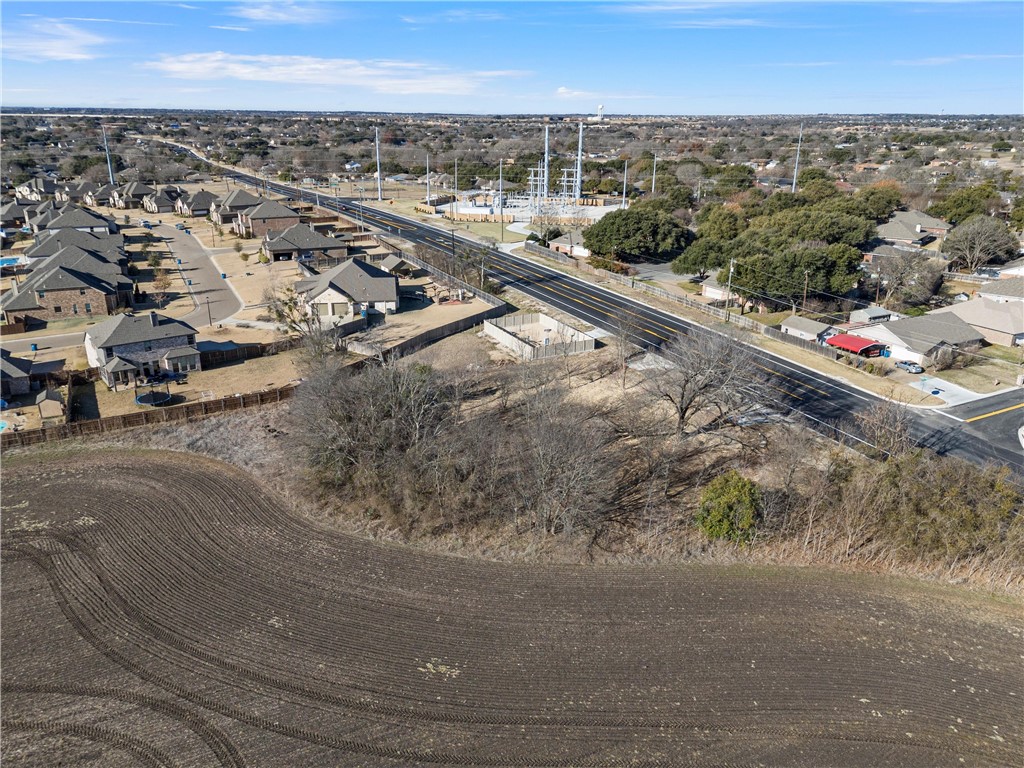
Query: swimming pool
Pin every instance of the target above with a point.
(11, 261)
(3, 426)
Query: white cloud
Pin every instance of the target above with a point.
(934, 61)
(567, 93)
(719, 23)
(456, 17)
(381, 76)
(51, 41)
(116, 21)
(283, 12)
(230, 28)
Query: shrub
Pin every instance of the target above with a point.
(730, 507)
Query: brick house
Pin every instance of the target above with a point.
(130, 195)
(72, 282)
(299, 242)
(355, 287)
(267, 216)
(197, 204)
(227, 210)
(128, 346)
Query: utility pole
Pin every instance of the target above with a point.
(579, 165)
(654, 176)
(501, 198)
(625, 173)
(728, 290)
(796, 167)
(106, 149)
(209, 314)
(428, 179)
(807, 279)
(380, 185)
(544, 195)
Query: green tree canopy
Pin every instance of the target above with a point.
(733, 179)
(966, 202)
(730, 507)
(879, 200)
(780, 278)
(700, 258)
(636, 234)
(720, 223)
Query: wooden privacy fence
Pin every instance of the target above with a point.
(811, 346)
(185, 412)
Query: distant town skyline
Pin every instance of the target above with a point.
(729, 57)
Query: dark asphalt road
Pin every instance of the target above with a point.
(826, 403)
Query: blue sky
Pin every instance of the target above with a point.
(678, 58)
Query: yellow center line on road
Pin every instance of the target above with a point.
(994, 413)
(793, 379)
(525, 272)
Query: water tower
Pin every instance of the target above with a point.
(600, 112)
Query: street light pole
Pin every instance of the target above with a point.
(209, 314)
(728, 291)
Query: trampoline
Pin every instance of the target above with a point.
(154, 396)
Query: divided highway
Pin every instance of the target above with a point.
(825, 402)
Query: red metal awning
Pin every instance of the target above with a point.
(850, 343)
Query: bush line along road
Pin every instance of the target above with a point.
(979, 432)
(219, 629)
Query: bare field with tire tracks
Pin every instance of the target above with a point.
(164, 609)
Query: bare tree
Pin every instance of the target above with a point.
(319, 340)
(709, 378)
(161, 286)
(978, 241)
(910, 277)
(886, 426)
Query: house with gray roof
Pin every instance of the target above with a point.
(236, 201)
(196, 204)
(130, 195)
(267, 216)
(37, 189)
(14, 374)
(72, 282)
(301, 243)
(14, 213)
(100, 196)
(74, 192)
(1000, 322)
(921, 339)
(806, 329)
(129, 346)
(162, 201)
(72, 216)
(914, 228)
(1007, 289)
(49, 241)
(355, 287)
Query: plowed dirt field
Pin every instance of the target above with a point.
(164, 609)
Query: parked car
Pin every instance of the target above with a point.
(909, 367)
(179, 225)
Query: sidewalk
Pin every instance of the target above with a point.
(953, 394)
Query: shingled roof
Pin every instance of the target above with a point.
(356, 279)
(132, 329)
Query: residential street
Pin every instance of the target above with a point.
(214, 298)
(215, 301)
